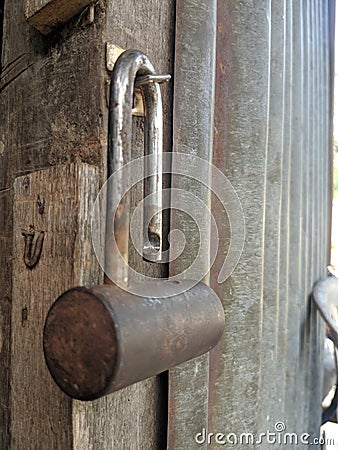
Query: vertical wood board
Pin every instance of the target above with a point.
(54, 111)
(41, 413)
(5, 308)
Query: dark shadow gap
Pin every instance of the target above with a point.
(2, 9)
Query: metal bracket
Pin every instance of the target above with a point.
(325, 297)
(112, 53)
(145, 79)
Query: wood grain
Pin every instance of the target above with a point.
(45, 15)
(53, 110)
(5, 311)
(41, 413)
(48, 116)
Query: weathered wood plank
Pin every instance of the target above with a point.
(5, 308)
(53, 103)
(44, 15)
(41, 413)
(53, 111)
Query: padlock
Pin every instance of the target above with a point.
(100, 339)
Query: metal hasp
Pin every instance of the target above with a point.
(131, 69)
(100, 339)
(325, 297)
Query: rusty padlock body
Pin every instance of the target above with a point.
(100, 339)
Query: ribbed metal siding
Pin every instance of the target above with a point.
(272, 128)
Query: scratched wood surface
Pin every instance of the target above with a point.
(48, 117)
(5, 312)
(54, 111)
(41, 413)
(44, 15)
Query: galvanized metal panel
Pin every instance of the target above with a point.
(193, 131)
(276, 153)
(290, 218)
(240, 145)
(297, 237)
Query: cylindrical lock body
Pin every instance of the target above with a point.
(100, 339)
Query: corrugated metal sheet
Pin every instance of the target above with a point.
(193, 134)
(272, 127)
(272, 140)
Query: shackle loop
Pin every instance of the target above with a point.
(133, 68)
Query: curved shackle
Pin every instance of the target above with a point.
(133, 69)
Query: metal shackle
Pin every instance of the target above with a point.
(133, 69)
(100, 339)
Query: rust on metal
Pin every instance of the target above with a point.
(101, 339)
(80, 344)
